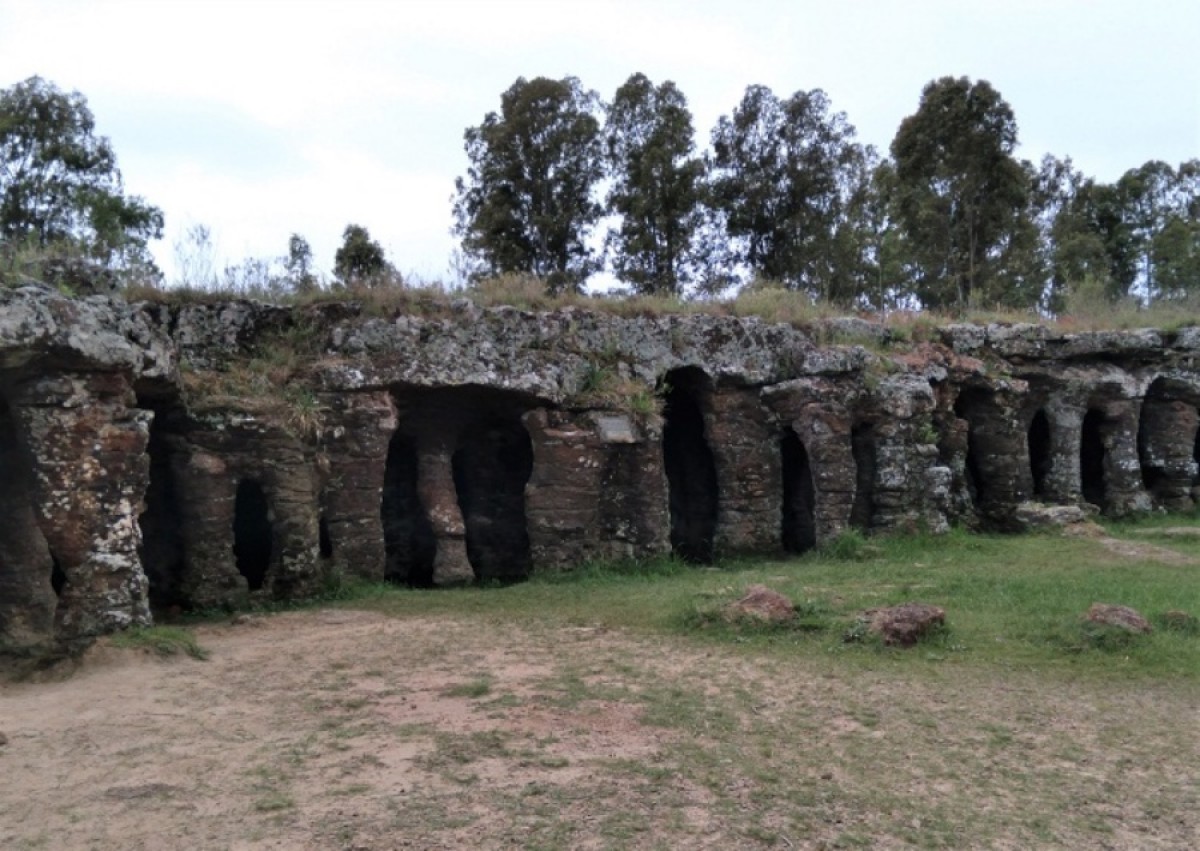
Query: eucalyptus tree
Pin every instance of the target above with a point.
(961, 195)
(360, 261)
(783, 173)
(59, 181)
(657, 186)
(526, 203)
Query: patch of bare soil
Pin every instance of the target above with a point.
(1137, 550)
(340, 729)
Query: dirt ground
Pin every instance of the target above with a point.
(343, 729)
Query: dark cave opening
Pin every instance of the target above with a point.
(862, 449)
(252, 533)
(58, 577)
(324, 541)
(1196, 459)
(690, 467)
(491, 465)
(408, 540)
(162, 549)
(965, 409)
(799, 496)
(1091, 459)
(1038, 439)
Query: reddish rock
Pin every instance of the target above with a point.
(1123, 617)
(760, 603)
(906, 624)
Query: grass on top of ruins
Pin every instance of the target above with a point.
(1085, 308)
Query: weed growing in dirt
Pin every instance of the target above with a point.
(162, 640)
(478, 687)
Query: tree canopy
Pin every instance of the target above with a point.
(959, 190)
(59, 181)
(359, 262)
(657, 186)
(526, 203)
(784, 172)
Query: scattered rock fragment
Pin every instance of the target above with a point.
(3, 740)
(1180, 621)
(761, 604)
(1123, 617)
(1073, 519)
(903, 625)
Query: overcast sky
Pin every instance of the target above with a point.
(260, 119)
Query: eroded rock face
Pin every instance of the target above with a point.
(761, 604)
(200, 455)
(904, 625)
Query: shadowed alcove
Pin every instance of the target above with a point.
(1091, 459)
(690, 467)
(862, 449)
(162, 549)
(966, 407)
(799, 496)
(492, 463)
(409, 544)
(252, 533)
(1038, 438)
(30, 578)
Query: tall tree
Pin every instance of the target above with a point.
(657, 186)
(59, 181)
(1071, 248)
(526, 203)
(960, 194)
(360, 261)
(784, 172)
(298, 265)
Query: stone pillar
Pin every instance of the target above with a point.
(635, 518)
(562, 497)
(1124, 493)
(1063, 484)
(27, 598)
(909, 479)
(435, 486)
(359, 427)
(88, 445)
(745, 447)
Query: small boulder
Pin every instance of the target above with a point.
(1180, 621)
(3, 740)
(761, 604)
(1123, 617)
(904, 625)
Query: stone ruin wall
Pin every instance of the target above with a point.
(486, 444)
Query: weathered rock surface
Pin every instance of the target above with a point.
(1122, 617)
(904, 625)
(761, 604)
(179, 456)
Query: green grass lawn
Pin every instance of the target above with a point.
(1010, 600)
